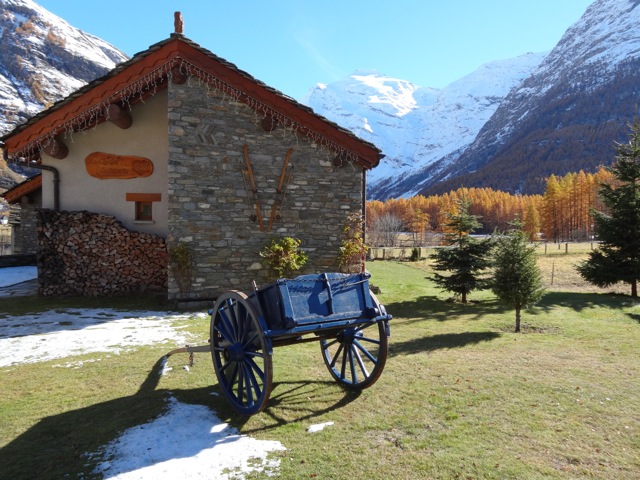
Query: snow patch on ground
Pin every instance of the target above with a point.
(14, 275)
(189, 441)
(58, 334)
(318, 427)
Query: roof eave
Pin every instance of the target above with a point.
(62, 114)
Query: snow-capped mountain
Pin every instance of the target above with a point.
(416, 126)
(567, 115)
(43, 59)
(508, 125)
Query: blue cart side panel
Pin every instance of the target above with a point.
(317, 298)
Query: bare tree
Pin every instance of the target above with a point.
(384, 231)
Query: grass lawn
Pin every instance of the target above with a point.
(461, 396)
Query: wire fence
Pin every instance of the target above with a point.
(422, 252)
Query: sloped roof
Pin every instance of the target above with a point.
(30, 185)
(149, 71)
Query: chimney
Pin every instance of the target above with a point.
(178, 24)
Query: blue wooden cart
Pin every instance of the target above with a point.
(338, 310)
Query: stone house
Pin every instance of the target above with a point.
(24, 198)
(179, 149)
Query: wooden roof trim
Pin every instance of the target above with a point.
(105, 91)
(368, 154)
(30, 185)
(156, 63)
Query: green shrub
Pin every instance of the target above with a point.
(283, 257)
(353, 249)
(181, 262)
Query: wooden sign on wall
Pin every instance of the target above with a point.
(107, 165)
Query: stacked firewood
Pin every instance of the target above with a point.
(90, 254)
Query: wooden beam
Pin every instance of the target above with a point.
(143, 197)
(56, 149)
(178, 77)
(93, 96)
(340, 160)
(268, 123)
(119, 116)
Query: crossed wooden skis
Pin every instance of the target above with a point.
(281, 189)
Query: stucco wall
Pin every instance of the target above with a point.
(210, 210)
(147, 137)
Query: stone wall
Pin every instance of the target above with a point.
(23, 220)
(210, 209)
(28, 226)
(90, 254)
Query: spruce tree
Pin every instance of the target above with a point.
(617, 258)
(517, 281)
(464, 257)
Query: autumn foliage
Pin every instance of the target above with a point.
(561, 214)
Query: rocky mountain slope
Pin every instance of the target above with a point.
(566, 115)
(43, 59)
(508, 125)
(556, 113)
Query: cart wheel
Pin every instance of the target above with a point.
(356, 356)
(240, 353)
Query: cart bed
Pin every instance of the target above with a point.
(315, 302)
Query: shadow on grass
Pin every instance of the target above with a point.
(299, 401)
(34, 304)
(437, 342)
(634, 316)
(437, 309)
(427, 308)
(56, 446)
(583, 301)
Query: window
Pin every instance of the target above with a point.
(143, 205)
(144, 211)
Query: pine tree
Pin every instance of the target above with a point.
(617, 258)
(464, 257)
(517, 281)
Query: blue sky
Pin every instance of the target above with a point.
(293, 44)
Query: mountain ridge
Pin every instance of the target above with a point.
(564, 115)
(43, 59)
(567, 114)
(363, 103)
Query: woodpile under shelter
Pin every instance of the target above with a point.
(179, 150)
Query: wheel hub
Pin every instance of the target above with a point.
(349, 334)
(234, 352)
